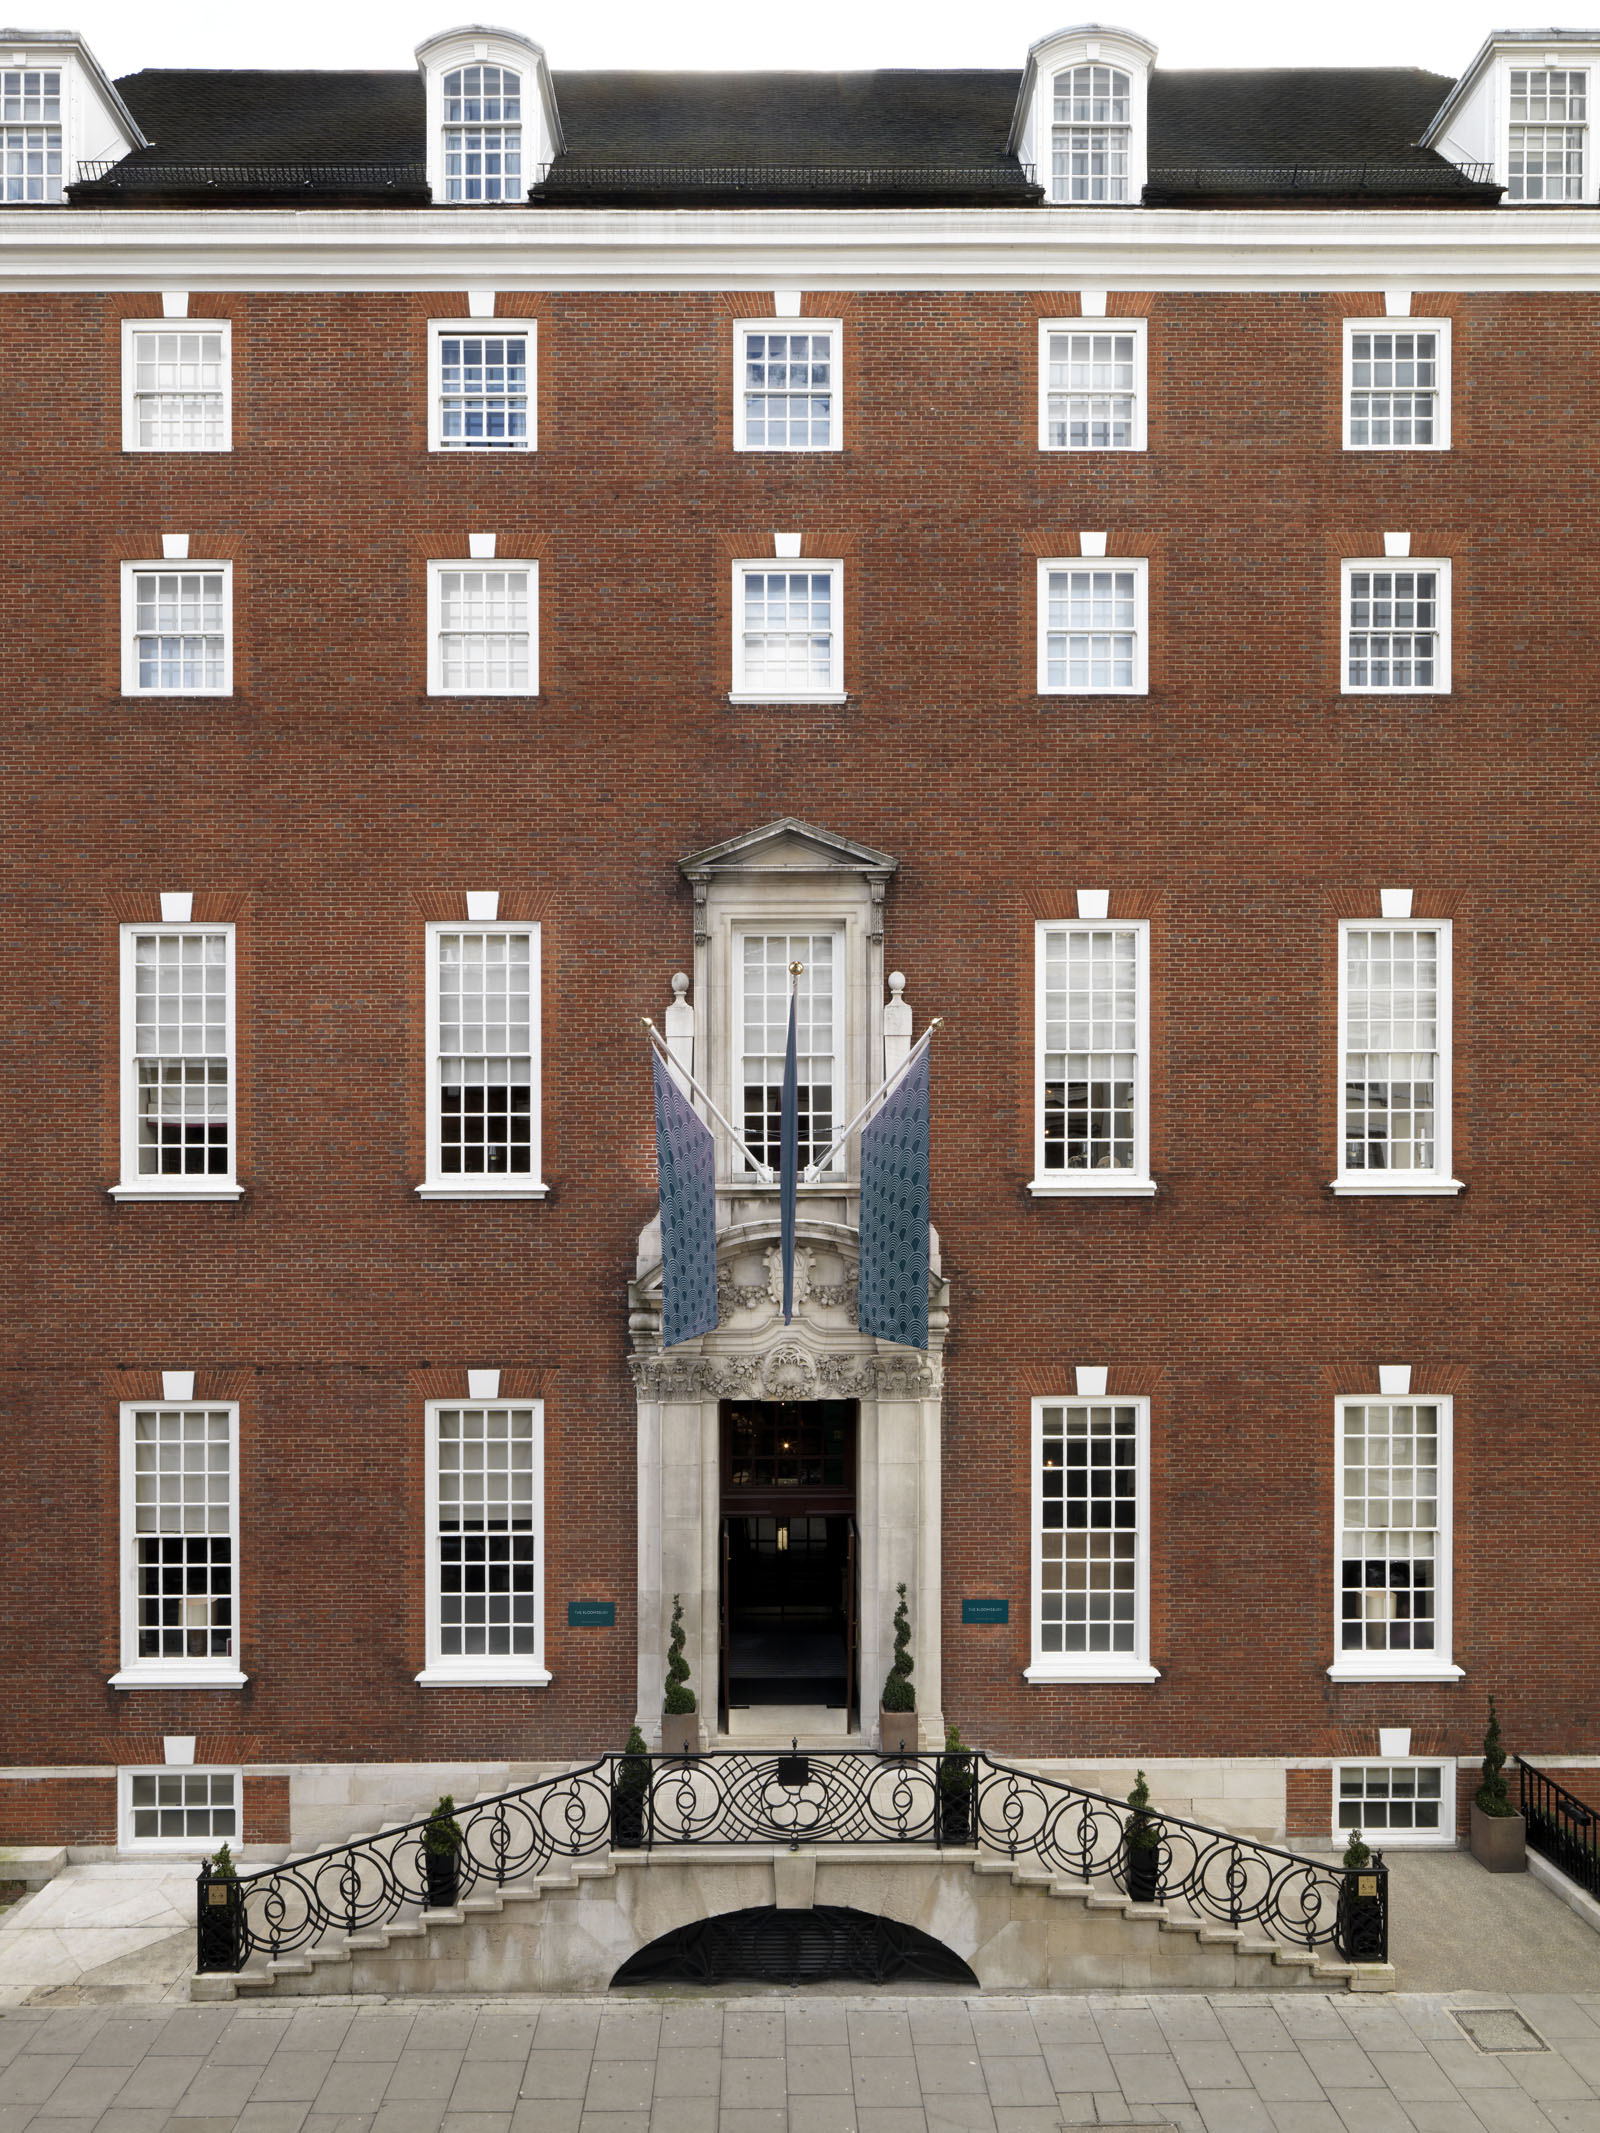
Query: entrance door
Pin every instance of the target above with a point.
(788, 1498)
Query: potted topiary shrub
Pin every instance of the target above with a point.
(629, 1785)
(1361, 1934)
(1499, 1833)
(441, 1855)
(897, 1724)
(221, 1936)
(1142, 1839)
(680, 1726)
(955, 1801)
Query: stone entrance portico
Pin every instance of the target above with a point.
(753, 1355)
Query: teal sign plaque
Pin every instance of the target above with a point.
(591, 1614)
(986, 1610)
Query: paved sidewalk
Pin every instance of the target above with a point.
(798, 2063)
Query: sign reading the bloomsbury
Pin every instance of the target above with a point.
(986, 1610)
(591, 1614)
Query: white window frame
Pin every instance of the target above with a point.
(1400, 1183)
(130, 417)
(1529, 61)
(1440, 685)
(436, 567)
(1133, 181)
(137, 1673)
(834, 329)
(1139, 565)
(480, 328)
(437, 1185)
(1437, 1665)
(740, 930)
(175, 1847)
(1095, 1184)
(812, 566)
(1139, 328)
(130, 651)
(1441, 1839)
(491, 1671)
(132, 1185)
(1131, 1666)
(1441, 424)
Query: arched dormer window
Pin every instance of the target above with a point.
(1090, 134)
(493, 127)
(1082, 117)
(483, 133)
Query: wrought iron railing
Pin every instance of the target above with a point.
(580, 178)
(1560, 1827)
(133, 176)
(1440, 177)
(841, 1796)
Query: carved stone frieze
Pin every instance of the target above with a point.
(788, 1371)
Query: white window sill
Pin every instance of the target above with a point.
(737, 696)
(143, 695)
(806, 451)
(475, 451)
(1348, 691)
(483, 1677)
(1399, 1840)
(1131, 1672)
(519, 696)
(482, 1192)
(1424, 448)
(178, 1677)
(1088, 1187)
(1051, 696)
(1396, 1185)
(1079, 451)
(1423, 1670)
(145, 451)
(185, 1189)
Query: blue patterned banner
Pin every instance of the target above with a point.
(893, 1299)
(686, 1163)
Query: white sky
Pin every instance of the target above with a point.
(817, 34)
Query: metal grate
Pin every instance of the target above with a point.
(1499, 2029)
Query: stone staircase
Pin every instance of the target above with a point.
(1019, 1926)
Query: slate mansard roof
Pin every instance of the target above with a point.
(897, 137)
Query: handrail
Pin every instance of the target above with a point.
(845, 1796)
(1560, 1827)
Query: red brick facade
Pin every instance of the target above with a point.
(329, 807)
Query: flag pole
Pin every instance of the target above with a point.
(879, 1095)
(675, 1066)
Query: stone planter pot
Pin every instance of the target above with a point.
(897, 1732)
(1499, 1842)
(680, 1732)
(443, 1872)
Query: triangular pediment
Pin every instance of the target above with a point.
(788, 846)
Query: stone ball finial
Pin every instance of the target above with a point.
(680, 983)
(897, 982)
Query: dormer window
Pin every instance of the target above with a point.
(1091, 133)
(1548, 119)
(30, 135)
(491, 117)
(1082, 117)
(483, 133)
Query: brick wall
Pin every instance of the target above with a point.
(1308, 1807)
(1244, 803)
(58, 1810)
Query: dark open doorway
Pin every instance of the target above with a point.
(788, 1553)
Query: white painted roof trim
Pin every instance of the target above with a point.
(760, 249)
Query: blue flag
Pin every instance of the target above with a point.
(686, 1164)
(788, 1161)
(893, 1299)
